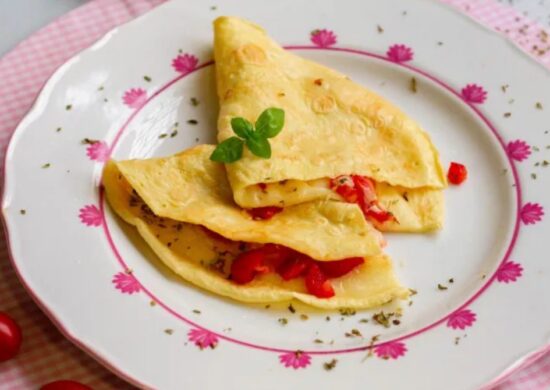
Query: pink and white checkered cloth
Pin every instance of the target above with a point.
(46, 355)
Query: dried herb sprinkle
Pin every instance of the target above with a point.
(330, 365)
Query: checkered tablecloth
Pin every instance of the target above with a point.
(46, 355)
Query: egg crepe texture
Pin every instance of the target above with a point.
(167, 199)
(333, 127)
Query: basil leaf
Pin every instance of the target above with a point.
(242, 127)
(228, 151)
(271, 122)
(259, 145)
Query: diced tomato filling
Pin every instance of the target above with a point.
(294, 267)
(317, 283)
(261, 213)
(247, 265)
(335, 269)
(360, 190)
(457, 173)
(290, 264)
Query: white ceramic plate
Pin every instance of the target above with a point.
(131, 88)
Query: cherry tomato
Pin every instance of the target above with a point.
(10, 337)
(65, 385)
(457, 173)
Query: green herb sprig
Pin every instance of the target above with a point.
(255, 137)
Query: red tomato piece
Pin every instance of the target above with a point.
(457, 173)
(380, 215)
(65, 385)
(317, 283)
(268, 212)
(335, 269)
(262, 186)
(295, 267)
(275, 255)
(10, 337)
(365, 189)
(345, 187)
(247, 265)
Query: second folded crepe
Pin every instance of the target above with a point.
(182, 206)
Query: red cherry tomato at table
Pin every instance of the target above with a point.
(10, 337)
(65, 385)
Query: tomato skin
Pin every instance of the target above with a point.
(247, 265)
(65, 385)
(344, 186)
(365, 189)
(10, 337)
(335, 269)
(263, 213)
(317, 283)
(457, 173)
(295, 267)
(276, 255)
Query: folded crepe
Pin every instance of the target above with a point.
(333, 127)
(176, 204)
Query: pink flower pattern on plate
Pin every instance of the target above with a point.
(461, 319)
(126, 283)
(518, 150)
(203, 338)
(185, 63)
(400, 53)
(474, 93)
(391, 350)
(531, 213)
(90, 215)
(509, 272)
(98, 151)
(135, 97)
(296, 359)
(323, 38)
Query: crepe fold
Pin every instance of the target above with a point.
(333, 127)
(170, 200)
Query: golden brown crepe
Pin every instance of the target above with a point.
(167, 199)
(188, 187)
(333, 127)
